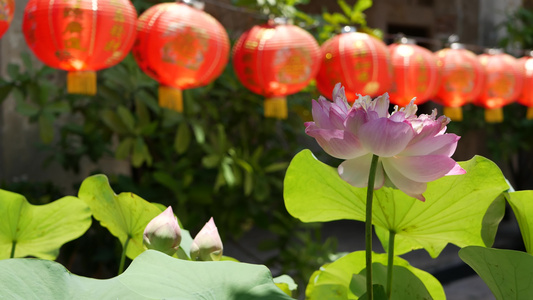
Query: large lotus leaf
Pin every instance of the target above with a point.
(453, 212)
(23, 278)
(508, 273)
(152, 275)
(158, 276)
(125, 215)
(333, 280)
(40, 230)
(522, 204)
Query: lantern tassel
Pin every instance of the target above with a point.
(494, 115)
(81, 82)
(171, 98)
(529, 115)
(276, 107)
(454, 113)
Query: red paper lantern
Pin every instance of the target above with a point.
(415, 73)
(181, 47)
(357, 60)
(80, 36)
(276, 60)
(503, 83)
(526, 96)
(7, 9)
(462, 79)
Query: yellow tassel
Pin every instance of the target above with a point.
(171, 98)
(494, 115)
(276, 107)
(454, 113)
(81, 82)
(529, 115)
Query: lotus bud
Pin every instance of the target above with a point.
(207, 245)
(163, 233)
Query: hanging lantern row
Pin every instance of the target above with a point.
(183, 47)
(80, 37)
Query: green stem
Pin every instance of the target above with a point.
(13, 249)
(368, 225)
(390, 263)
(123, 257)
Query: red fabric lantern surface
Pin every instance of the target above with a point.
(276, 60)
(415, 73)
(7, 9)
(181, 47)
(526, 96)
(80, 36)
(462, 79)
(503, 83)
(357, 60)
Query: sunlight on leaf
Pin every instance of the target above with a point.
(124, 215)
(40, 230)
(152, 275)
(508, 273)
(522, 204)
(334, 280)
(453, 212)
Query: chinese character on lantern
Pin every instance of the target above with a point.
(526, 96)
(275, 60)
(415, 73)
(357, 60)
(503, 83)
(80, 37)
(462, 79)
(181, 47)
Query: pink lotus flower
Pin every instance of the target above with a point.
(413, 150)
(207, 245)
(163, 233)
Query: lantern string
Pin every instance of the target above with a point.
(440, 43)
(251, 12)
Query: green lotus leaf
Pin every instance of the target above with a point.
(152, 275)
(335, 280)
(454, 210)
(508, 273)
(40, 230)
(522, 204)
(125, 215)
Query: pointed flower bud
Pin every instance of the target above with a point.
(207, 245)
(163, 233)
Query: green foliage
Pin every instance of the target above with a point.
(41, 230)
(522, 204)
(454, 210)
(350, 16)
(508, 273)
(519, 27)
(508, 143)
(125, 215)
(406, 284)
(286, 284)
(337, 280)
(284, 8)
(152, 275)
